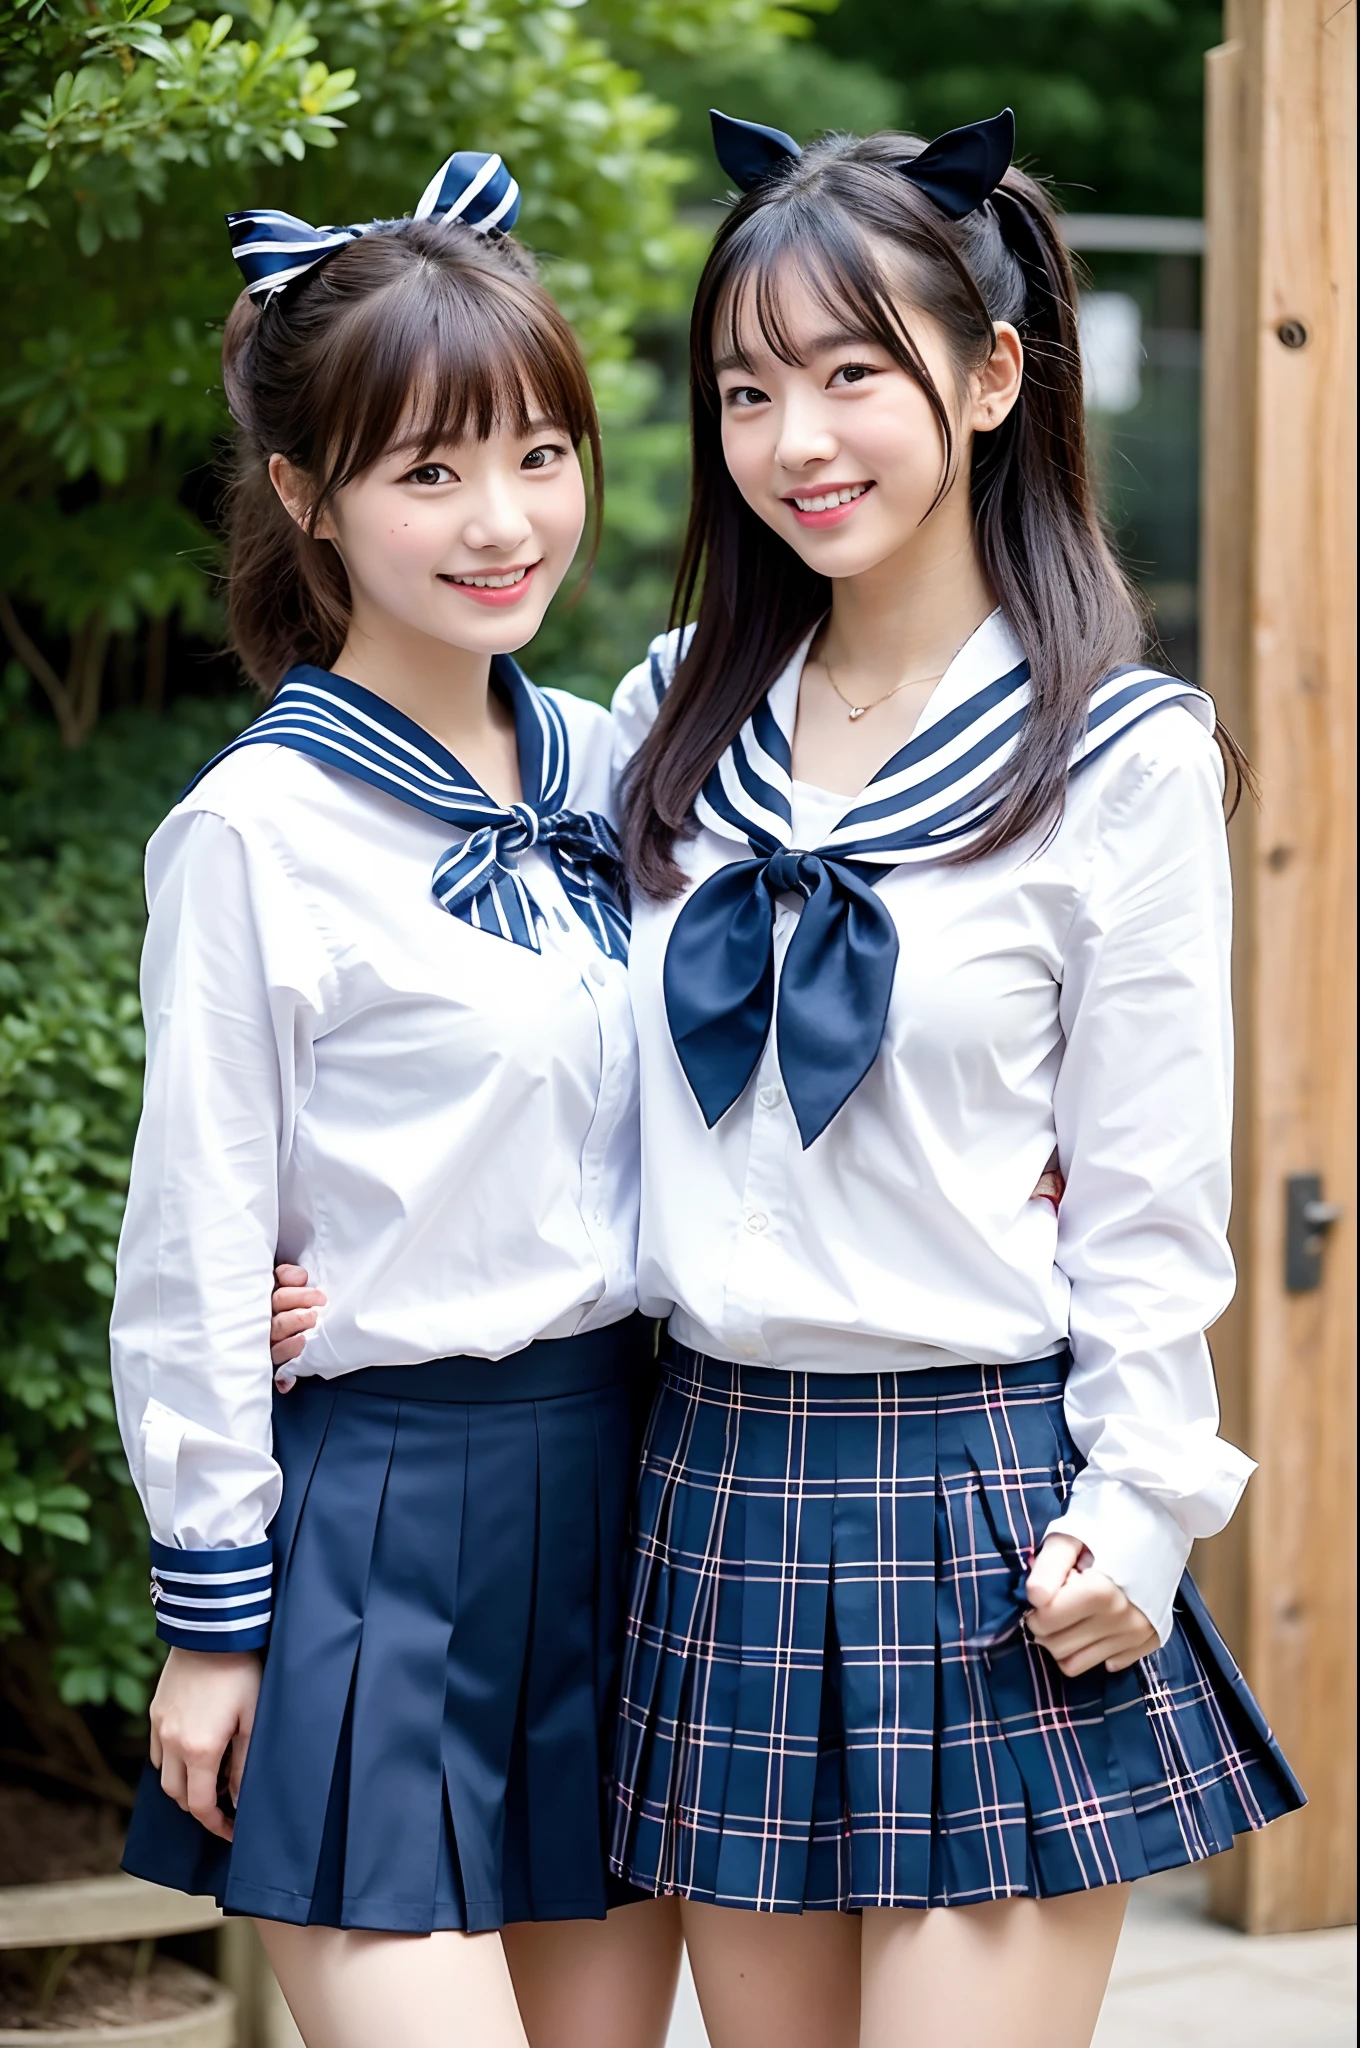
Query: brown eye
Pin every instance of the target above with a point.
(428, 473)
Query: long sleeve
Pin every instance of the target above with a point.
(1143, 1113)
(190, 1329)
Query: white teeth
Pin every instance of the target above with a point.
(825, 503)
(491, 582)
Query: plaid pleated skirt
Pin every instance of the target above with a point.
(828, 1699)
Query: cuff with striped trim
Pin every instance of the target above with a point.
(212, 1599)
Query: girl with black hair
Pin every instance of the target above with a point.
(930, 884)
(389, 1033)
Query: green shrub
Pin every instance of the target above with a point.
(72, 1538)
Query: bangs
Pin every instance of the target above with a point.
(434, 359)
(830, 258)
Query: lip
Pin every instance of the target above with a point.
(835, 515)
(497, 600)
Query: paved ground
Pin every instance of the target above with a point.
(1180, 1981)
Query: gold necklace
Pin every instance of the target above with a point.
(858, 710)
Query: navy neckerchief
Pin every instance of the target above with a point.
(347, 727)
(837, 976)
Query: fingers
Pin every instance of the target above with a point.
(173, 1781)
(290, 1276)
(1147, 1646)
(240, 1744)
(294, 1315)
(290, 1329)
(203, 1771)
(1081, 1648)
(1051, 1569)
(284, 1298)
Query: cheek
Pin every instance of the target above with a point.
(747, 446)
(561, 514)
(385, 543)
(905, 441)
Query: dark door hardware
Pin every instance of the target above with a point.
(1308, 1218)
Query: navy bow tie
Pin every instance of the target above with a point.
(349, 728)
(834, 987)
(835, 984)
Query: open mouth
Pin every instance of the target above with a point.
(501, 586)
(827, 507)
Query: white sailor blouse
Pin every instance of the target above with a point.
(435, 1113)
(853, 1193)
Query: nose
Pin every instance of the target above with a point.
(805, 435)
(497, 520)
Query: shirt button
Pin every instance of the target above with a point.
(562, 924)
(597, 973)
(770, 1098)
(757, 1221)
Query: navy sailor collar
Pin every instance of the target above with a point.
(925, 799)
(352, 729)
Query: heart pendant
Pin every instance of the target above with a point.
(857, 711)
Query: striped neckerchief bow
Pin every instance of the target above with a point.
(836, 980)
(347, 727)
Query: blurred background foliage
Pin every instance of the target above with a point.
(127, 128)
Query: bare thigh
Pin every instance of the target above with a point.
(1027, 1972)
(350, 1989)
(775, 1980)
(597, 1983)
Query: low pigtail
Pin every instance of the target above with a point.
(1041, 539)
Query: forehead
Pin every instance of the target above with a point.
(794, 305)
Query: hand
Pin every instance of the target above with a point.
(1081, 1617)
(204, 1705)
(293, 1308)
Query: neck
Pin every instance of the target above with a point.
(909, 615)
(445, 689)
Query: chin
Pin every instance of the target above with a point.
(839, 557)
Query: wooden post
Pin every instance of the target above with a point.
(1278, 608)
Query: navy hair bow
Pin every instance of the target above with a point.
(273, 248)
(959, 171)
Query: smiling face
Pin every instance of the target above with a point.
(462, 544)
(834, 444)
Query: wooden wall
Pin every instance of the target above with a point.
(1279, 655)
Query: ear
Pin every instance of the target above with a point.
(996, 386)
(747, 151)
(295, 495)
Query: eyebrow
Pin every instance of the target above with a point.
(540, 424)
(820, 345)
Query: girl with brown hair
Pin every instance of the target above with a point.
(930, 878)
(409, 1063)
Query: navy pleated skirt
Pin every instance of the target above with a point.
(828, 1697)
(432, 1740)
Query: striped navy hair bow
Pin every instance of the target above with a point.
(273, 248)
